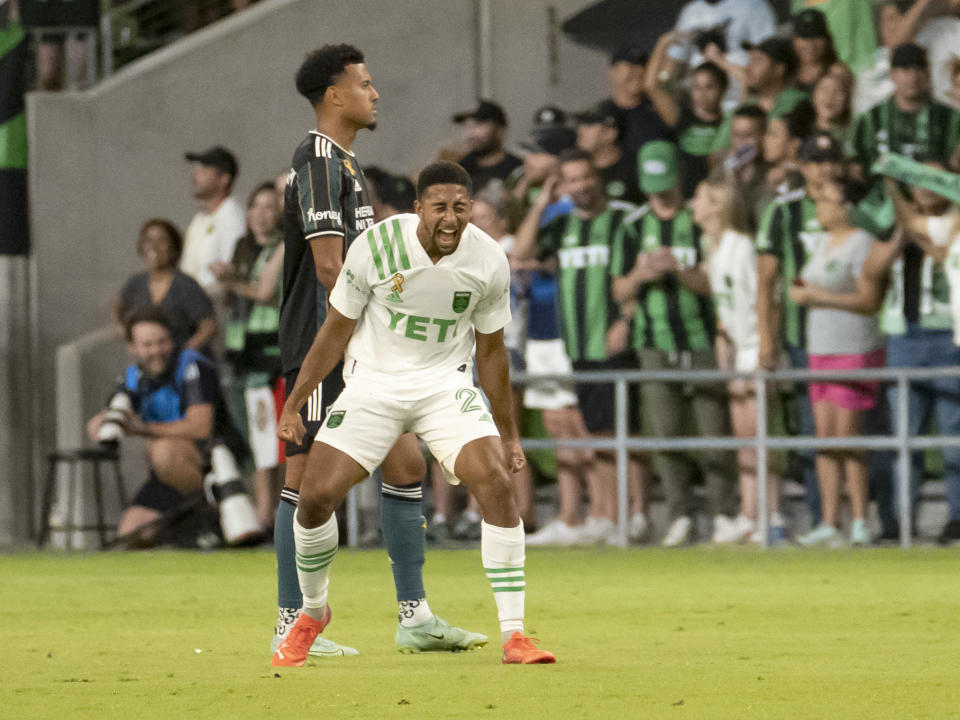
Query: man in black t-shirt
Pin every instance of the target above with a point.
(599, 129)
(484, 129)
(642, 123)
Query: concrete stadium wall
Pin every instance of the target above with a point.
(104, 160)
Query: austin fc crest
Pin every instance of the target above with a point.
(461, 300)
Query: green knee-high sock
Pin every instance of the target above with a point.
(404, 532)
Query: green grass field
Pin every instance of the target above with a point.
(696, 633)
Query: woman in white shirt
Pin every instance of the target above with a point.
(719, 209)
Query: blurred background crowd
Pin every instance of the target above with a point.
(737, 194)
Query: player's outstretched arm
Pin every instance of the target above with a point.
(327, 349)
(493, 369)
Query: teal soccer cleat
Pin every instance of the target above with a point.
(436, 635)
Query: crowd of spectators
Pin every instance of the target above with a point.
(747, 196)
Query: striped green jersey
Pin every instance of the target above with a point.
(790, 231)
(930, 134)
(585, 307)
(669, 316)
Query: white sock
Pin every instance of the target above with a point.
(286, 617)
(414, 612)
(502, 552)
(316, 548)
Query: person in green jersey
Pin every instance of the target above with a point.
(918, 322)
(696, 121)
(789, 232)
(593, 330)
(658, 266)
(909, 123)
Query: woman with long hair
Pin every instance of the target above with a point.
(720, 211)
(251, 281)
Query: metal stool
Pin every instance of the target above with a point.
(74, 459)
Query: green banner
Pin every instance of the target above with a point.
(911, 172)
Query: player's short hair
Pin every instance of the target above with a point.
(443, 173)
(174, 238)
(154, 314)
(323, 67)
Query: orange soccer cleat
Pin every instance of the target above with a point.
(292, 652)
(520, 650)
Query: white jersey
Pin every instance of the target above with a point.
(417, 318)
(732, 267)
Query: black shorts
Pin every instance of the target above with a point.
(315, 409)
(157, 496)
(597, 401)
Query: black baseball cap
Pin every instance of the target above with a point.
(821, 147)
(218, 157)
(810, 23)
(780, 50)
(909, 55)
(485, 111)
(550, 133)
(630, 54)
(605, 113)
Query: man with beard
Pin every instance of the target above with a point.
(177, 408)
(484, 129)
(213, 233)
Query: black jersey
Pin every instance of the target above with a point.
(326, 195)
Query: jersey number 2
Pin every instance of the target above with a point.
(468, 396)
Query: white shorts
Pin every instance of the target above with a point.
(548, 357)
(365, 422)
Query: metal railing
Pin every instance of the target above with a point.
(622, 443)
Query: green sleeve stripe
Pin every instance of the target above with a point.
(13, 143)
(377, 260)
(401, 248)
(388, 250)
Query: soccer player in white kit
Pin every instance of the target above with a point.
(416, 292)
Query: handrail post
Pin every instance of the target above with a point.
(903, 458)
(763, 517)
(620, 406)
(106, 43)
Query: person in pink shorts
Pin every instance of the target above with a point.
(841, 284)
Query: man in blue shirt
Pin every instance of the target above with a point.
(177, 408)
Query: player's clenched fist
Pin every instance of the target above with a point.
(290, 428)
(514, 455)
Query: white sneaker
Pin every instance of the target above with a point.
(678, 533)
(737, 530)
(556, 533)
(598, 530)
(639, 528)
